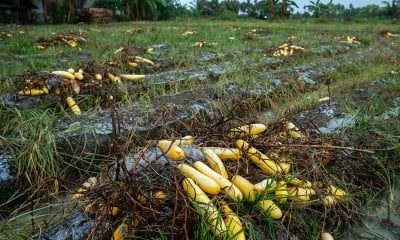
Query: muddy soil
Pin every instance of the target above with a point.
(330, 119)
(199, 112)
(381, 220)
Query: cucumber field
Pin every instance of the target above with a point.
(200, 129)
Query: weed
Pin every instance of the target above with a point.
(32, 142)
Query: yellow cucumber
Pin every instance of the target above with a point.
(186, 140)
(77, 196)
(329, 200)
(113, 78)
(133, 64)
(290, 126)
(120, 232)
(310, 191)
(285, 166)
(64, 74)
(98, 76)
(249, 129)
(247, 188)
(133, 77)
(45, 90)
(233, 224)
(172, 151)
(296, 134)
(143, 60)
(78, 75)
(293, 130)
(208, 209)
(258, 158)
(74, 107)
(31, 92)
(298, 194)
(281, 192)
(337, 192)
(160, 197)
(226, 153)
(215, 162)
(114, 211)
(206, 183)
(270, 208)
(230, 189)
(326, 236)
(150, 50)
(299, 183)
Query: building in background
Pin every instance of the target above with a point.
(17, 11)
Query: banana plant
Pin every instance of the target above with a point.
(271, 7)
(319, 9)
(281, 8)
(208, 7)
(141, 9)
(287, 8)
(314, 7)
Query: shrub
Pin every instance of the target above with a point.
(227, 15)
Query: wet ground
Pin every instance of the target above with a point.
(199, 111)
(328, 118)
(381, 219)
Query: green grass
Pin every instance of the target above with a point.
(33, 143)
(31, 137)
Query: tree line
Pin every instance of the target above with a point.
(269, 9)
(128, 10)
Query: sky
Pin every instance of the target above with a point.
(301, 3)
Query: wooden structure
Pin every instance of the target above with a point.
(95, 15)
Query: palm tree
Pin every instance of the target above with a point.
(271, 7)
(141, 9)
(392, 9)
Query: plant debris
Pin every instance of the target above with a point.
(151, 197)
(71, 40)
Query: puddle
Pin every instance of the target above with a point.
(93, 132)
(326, 118)
(186, 75)
(336, 124)
(392, 113)
(10, 100)
(270, 61)
(309, 76)
(382, 222)
(76, 227)
(5, 171)
(209, 57)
